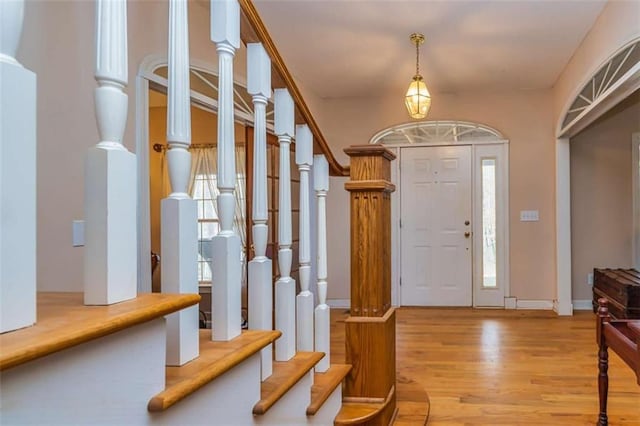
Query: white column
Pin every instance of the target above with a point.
(17, 176)
(285, 285)
(322, 313)
(226, 247)
(260, 284)
(179, 214)
(563, 227)
(304, 300)
(110, 259)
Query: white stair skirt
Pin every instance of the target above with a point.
(83, 384)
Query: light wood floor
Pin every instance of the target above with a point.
(495, 367)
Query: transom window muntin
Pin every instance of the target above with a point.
(443, 131)
(603, 79)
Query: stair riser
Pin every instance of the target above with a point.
(228, 400)
(106, 381)
(291, 408)
(329, 409)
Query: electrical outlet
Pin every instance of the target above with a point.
(529, 216)
(590, 278)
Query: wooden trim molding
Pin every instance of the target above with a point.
(370, 185)
(253, 30)
(64, 321)
(357, 411)
(370, 151)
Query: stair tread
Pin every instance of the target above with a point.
(355, 411)
(216, 358)
(64, 321)
(324, 384)
(285, 375)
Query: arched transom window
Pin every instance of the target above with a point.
(425, 132)
(205, 84)
(608, 76)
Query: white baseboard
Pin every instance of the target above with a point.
(583, 305)
(510, 303)
(545, 305)
(339, 303)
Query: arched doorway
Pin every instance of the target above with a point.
(616, 78)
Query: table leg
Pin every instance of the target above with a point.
(603, 384)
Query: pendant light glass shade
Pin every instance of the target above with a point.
(418, 99)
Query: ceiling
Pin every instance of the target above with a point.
(359, 48)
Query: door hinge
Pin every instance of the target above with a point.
(400, 281)
(400, 223)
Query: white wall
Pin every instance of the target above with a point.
(524, 117)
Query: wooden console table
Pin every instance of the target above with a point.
(623, 336)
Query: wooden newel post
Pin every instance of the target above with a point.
(370, 330)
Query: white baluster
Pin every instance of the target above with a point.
(260, 285)
(226, 249)
(304, 300)
(285, 285)
(17, 176)
(110, 273)
(179, 212)
(322, 313)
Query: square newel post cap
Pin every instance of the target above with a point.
(370, 168)
(369, 151)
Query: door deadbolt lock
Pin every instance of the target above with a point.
(466, 222)
(467, 234)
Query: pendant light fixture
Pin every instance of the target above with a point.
(418, 99)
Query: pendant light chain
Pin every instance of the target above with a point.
(417, 57)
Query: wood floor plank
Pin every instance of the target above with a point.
(482, 367)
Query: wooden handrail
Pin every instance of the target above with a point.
(253, 30)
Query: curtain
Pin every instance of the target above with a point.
(204, 164)
(165, 183)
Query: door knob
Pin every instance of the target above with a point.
(467, 234)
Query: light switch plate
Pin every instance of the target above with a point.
(78, 233)
(529, 215)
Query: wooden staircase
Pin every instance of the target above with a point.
(222, 384)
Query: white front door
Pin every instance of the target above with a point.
(435, 207)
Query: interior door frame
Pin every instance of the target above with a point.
(502, 203)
